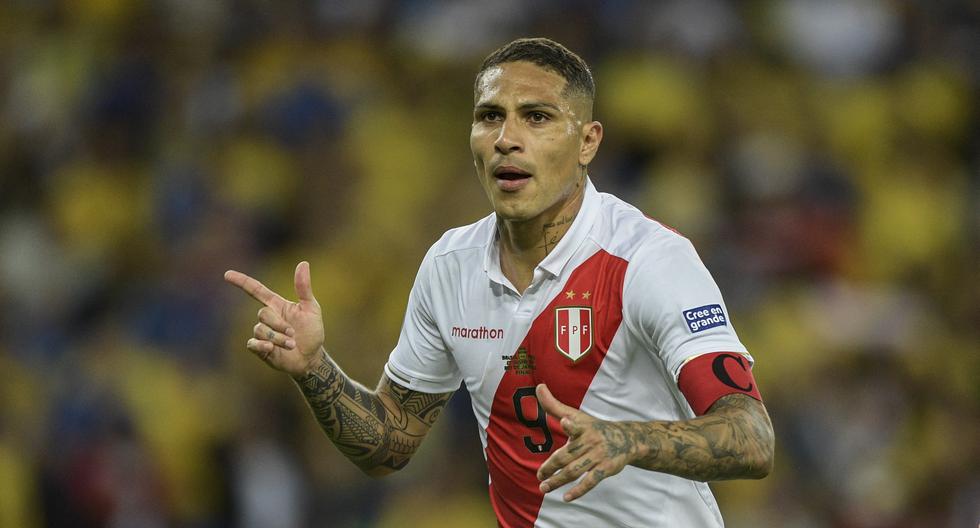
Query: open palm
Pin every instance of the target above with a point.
(289, 334)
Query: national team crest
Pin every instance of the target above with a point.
(573, 331)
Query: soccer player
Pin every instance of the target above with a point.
(605, 374)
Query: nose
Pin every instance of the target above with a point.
(509, 139)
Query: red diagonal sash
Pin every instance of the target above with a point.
(519, 439)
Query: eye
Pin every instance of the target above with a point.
(538, 117)
(491, 115)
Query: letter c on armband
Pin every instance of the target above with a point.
(718, 367)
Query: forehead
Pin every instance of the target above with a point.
(519, 80)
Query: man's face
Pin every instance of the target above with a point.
(530, 140)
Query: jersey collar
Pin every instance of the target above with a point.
(555, 262)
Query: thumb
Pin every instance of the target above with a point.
(304, 286)
(551, 405)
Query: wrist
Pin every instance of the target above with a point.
(317, 362)
(642, 450)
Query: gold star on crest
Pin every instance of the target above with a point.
(570, 294)
(586, 295)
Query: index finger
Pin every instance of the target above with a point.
(256, 289)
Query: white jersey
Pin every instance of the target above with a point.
(611, 315)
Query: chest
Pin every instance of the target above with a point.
(559, 332)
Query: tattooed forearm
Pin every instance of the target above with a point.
(734, 440)
(379, 431)
(422, 406)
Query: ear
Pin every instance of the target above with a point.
(591, 137)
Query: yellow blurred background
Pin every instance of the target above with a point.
(823, 155)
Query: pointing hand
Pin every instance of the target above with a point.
(289, 335)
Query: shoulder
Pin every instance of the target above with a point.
(456, 255)
(463, 239)
(628, 233)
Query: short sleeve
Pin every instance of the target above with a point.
(421, 360)
(672, 301)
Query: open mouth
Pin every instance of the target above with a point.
(510, 178)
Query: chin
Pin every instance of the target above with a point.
(516, 207)
(512, 212)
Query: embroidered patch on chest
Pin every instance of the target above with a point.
(573, 331)
(705, 317)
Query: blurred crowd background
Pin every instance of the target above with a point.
(823, 155)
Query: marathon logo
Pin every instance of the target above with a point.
(705, 317)
(478, 333)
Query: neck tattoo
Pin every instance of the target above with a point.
(552, 231)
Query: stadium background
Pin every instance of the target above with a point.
(822, 155)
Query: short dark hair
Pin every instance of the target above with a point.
(549, 55)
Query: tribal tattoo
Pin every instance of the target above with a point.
(378, 431)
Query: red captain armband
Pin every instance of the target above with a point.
(706, 378)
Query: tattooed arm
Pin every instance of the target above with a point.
(733, 440)
(378, 430)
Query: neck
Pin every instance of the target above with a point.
(524, 244)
